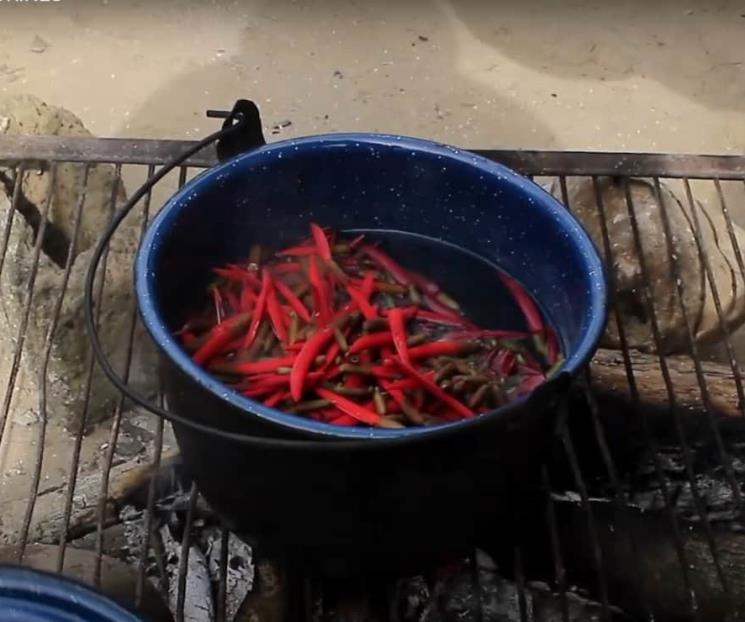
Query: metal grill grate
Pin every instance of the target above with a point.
(603, 489)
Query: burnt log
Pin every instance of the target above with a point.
(611, 380)
(699, 404)
(127, 481)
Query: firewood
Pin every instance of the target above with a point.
(48, 519)
(610, 380)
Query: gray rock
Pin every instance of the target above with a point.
(26, 114)
(656, 214)
(70, 353)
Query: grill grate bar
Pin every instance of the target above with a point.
(597, 551)
(222, 588)
(724, 456)
(690, 473)
(20, 171)
(587, 383)
(649, 441)
(686, 168)
(478, 598)
(118, 413)
(558, 562)
(615, 485)
(723, 320)
(522, 601)
(310, 594)
(22, 328)
(392, 597)
(607, 462)
(579, 480)
(730, 227)
(40, 150)
(150, 508)
(80, 432)
(184, 561)
(599, 432)
(48, 344)
(43, 149)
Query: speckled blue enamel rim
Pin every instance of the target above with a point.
(148, 254)
(27, 594)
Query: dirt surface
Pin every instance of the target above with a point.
(627, 75)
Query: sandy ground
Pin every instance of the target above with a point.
(568, 74)
(627, 75)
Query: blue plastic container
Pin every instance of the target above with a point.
(33, 596)
(446, 212)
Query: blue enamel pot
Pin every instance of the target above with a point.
(34, 596)
(354, 498)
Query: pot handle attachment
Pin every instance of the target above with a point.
(240, 132)
(246, 135)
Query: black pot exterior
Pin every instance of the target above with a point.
(398, 508)
(387, 504)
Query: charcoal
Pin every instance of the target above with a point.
(115, 542)
(198, 603)
(641, 563)
(477, 590)
(240, 568)
(269, 599)
(714, 489)
(413, 598)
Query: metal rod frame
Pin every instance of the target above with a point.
(33, 152)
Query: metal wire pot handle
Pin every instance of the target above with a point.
(241, 132)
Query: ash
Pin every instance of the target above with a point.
(474, 589)
(717, 491)
(198, 559)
